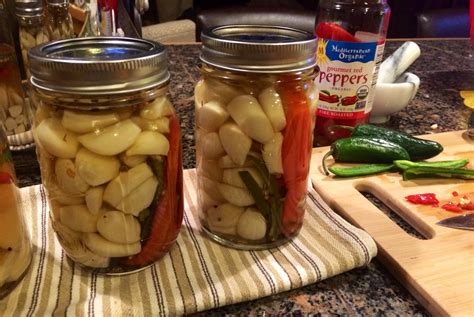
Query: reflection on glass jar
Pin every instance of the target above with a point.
(254, 121)
(15, 246)
(59, 20)
(110, 154)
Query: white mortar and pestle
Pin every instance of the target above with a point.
(395, 88)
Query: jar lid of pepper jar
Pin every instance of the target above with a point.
(98, 65)
(258, 48)
(28, 8)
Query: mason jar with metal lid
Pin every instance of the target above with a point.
(109, 147)
(33, 31)
(255, 111)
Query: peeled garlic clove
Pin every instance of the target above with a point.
(232, 177)
(41, 38)
(67, 178)
(149, 143)
(78, 218)
(211, 115)
(55, 139)
(236, 143)
(271, 154)
(273, 108)
(211, 146)
(125, 183)
(252, 225)
(84, 122)
(15, 111)
(211, 169)
(118, 227)
(140, 198)
(15, 98)
(236, 195)
(57, 195)
(224, 91)
(27, 40)
(101, 246)
(313, 97)
(206, 202)
(248, 114)
(10, 220)
(161, 125)
(159, 107)
(224, 218)
(227, 162)
(113, 139)
(96, 169)
(94, 198)
(132, 160)
(210, 187)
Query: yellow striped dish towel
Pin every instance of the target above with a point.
(196, 275)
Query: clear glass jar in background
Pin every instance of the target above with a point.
(59, 20)
(14, 112)
(32, 27)
(255, 113)
(15, 245)
(351, 39)
(109, 152)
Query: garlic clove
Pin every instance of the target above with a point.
(252, 225)
(273, 108)
(235, 195)
(161, 125)
(211, 115)
(140, 198)
(235, 142)
(101, 246)
(211, 146)
(224, 218)
(94, 199)
(132, 160)
(96, 169)
(271, 154)
(210, 187)
(232, 177)
(211, 169)
(55, 139)
(67, 177)
(160, 107)
(149, 143)
(118, 227)
(78, 218)
(84, 122)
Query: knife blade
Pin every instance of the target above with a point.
(464, 222)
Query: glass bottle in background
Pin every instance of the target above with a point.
(59, 20)
(15, 245)
(33, 31)
(13, 110)
(351, 38)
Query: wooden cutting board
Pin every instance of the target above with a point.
(438, 271)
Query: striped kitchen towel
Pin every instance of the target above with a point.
(196, 275)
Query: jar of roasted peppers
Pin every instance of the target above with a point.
(109, 147)
(351, 38)
(255, 106)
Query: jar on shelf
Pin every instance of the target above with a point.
(32, 27)
(255, 111)
(14, 112)
(109, 147)
(15, 245)
(59, 20)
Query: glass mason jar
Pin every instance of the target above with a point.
(15, 245)
(254, 118)
(13, 110)
(33, 29)
(109, 147)
(59, 20)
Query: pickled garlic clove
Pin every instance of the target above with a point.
(273, 108)
(211, 115)
(41, 38)
(224, 91)
(27, 40)
(236, 195)
(67, 177)
(206, 201)
(140, 198)
(113, 139)
(11, 225)
(224, 218)
(248, 114)
(161, 125)
(72, 244)
(211, 169)
(118, 227)
(96, 169)
(101, 246)
(14, 262)
(209, 186)
(55, 139)
(227, 162)
(78, 218)
(94, 199)
(211, 146)
(235, 142)
(252, 225)
(57, 195)
(84, 122)
(132, 160)
(160, 107)
(15, 98)
(271, 154)
(125, 183)
(231, 177)
(149, 143)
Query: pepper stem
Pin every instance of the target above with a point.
(325, 168)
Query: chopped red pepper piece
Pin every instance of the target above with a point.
(452, 207)
(469, 206)
(455, 193)
(423, 199)
(333, 31)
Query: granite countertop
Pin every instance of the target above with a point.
(445, 67)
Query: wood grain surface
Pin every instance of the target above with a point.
(438, 271)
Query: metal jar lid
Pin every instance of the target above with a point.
(29, 8)
(258, 48)
(98, 65)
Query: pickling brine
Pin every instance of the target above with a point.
(253, 148)
(110, 163)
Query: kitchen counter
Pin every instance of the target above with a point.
(444, 67)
